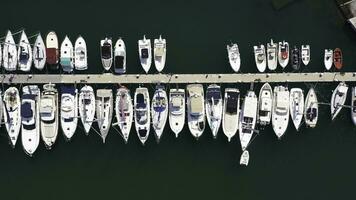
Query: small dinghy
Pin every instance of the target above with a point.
(231, 112)
(9, 53)
(196, 111)
(120, 57)
(176, 110)
(124, 111)
(39, 53)
(80, 54)
(353, 104)
(159, 111)
(248, 118)
(233, 54)
(104, 109)
(52, 51)
(67, 55)
(295, 58)
(272, 55)
(69, 111)
(144, 50)
(311, 109)
(338, 58)
(213, 108)
(283, 54)
(338, 99)
(24, 53)
(265, 105)
(280, 110)
(142, 113)
(305, 54)
(244, 159)
(260, 57)
(160, 51)
(296, 106)
(87, 107)
(30, 114)
(12, 114)
(106, 53)
(328, 59)
(49, 115)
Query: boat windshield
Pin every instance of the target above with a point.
(141, 104)
(26, 110)
(311, 113)
(106, 51)
(213, 96)
(119, 61)
(232, 99)
(144, 53)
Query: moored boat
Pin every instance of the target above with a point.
(265, 105)
(142, 114)
(9, 53)
(328, 58)
(260, 57)
(248, 118)
(295, 58)
(52, 51)
(305, 54)
(195, 109)
(176, 110)
(67, 55)
(69, 111)
(338, 99)
(311, 109)
(104, 110)
(283, 53)
(145, 53)
(124, 111)
(87, 107)
(213, 108)
(159, 111)
(272, 52)
(338, 58)
(231, 112)
(233, 54)
(80, 54)
(24, 53)
(353, 105)
(160, 53)
(280, 110)
(39, 53)
(120, 57)
(296, 106)
(106, 53)
(12, 114)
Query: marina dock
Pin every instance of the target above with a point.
(177, 78)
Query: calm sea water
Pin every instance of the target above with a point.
(312, 163)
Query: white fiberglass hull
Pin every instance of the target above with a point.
(280, 110)
(80, 54)
(296, 106)
(24, 53)
(69, 113)
(176, 110)
(160, 53)
(196, 111)
(231, 112)
(124, 111)
(12, 114)
(311, 110)
(338, 99)
(87, 107)
(104, 110)
(159, 111)
(145, 53)
(39, 53)
(213, 108)
(9, 53)
(142, 114)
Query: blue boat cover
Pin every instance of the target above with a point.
(140, 101)
(26, 111)
(68, 90)
(65, 62)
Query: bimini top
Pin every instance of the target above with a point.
(106, 50)
(140, 101)
(26, 110)
(68, 90)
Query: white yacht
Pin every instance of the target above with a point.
(231, 112)
(305, 54)
(196, 111)
(311, 109)
(353, 105)
(52, 52)
(145, 53)
(106, 53)
(80, 54)
(49, 115)
(160, 52)
(260, 57)
(296, 106)
(12, 114)
(248, 118)
(104, 109)
(120, 57)
(328, 58)
(24, 53)
(87, 107)
(338, 99)
(39, 53)
(30, 114)
(283, 54)
(159, 111)
(142, 113)
(234, 56)
(9, 53)
(1, 108)
(280, 110)
(176, 110)
(124, 111)
(67, 55)
(69, 111)
(265, 105)
(272, 52)
(213, 108)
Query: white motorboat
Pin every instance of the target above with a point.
(328, 58)
(233, 54)
(69, 111)
(272, 55)
(231, 112)
(30, 114)
(39, 53)
(245, 157)
(106, 53)
(87, 107)
(52, 51)
(338, 99)
(120, 57)
(49, 115)
(124, 111)
(9, 53)
(260, 57)
(159, 111)
(213, 108)
(311, 109)
(145, 53)
(142, 113)
(305, 54)
(196, 111)
(0, 56)
(104, 109)
(176, 110)
(280, 110)
(1, 108)
(283, 54)
(353, 105)
(24, 53)
(67, 55)
(80, 54)
(160, 52)
(12, 114)
(248, 118)
(296, 106)
(265, 105)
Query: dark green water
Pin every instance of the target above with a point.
(314, 163)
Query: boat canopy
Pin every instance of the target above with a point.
(159, 51)
(119, 61)
(68, 90)
(232, 98)
(144, 53)
(26, 110)
(106, 51)
(140, 101)
(196, 105)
